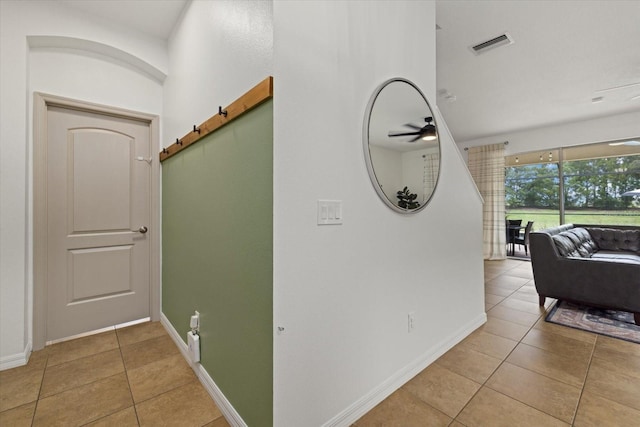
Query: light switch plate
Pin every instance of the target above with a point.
(329, 212)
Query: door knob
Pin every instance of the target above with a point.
(143, 229)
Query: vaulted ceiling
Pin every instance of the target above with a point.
(564, 55)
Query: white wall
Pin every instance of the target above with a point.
(609, 128)
(337, 290)
(75, 75)
(343, 292)
(71, 73)
(220, 50)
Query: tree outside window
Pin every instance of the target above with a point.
(592, 187)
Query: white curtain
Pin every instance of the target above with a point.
(431, 163)
(486, 165)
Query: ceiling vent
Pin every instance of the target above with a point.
(501, 40)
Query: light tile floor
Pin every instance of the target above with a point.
(133, 376)
(518, 370)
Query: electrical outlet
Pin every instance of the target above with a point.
(410, 321)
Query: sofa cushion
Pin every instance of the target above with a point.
(619, 256)
(565, 245)
(576, 242)
(611, 239)
(586, 240)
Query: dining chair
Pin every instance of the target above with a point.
(524, 240)
(511, 233)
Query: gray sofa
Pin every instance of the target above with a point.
(589, 264)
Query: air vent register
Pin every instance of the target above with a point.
(501, 40)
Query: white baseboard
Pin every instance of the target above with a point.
(367, 402)
(15, 360)
(352, 413)
(228, 411)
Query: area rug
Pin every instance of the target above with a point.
(617, 324)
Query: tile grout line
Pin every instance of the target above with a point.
(126, 374)
(157, 395)
(584, 383)
(427, 403)
(44, 371)
(505, 359)
(45, 367)
(582, 387)
(499, 365)
(40, 397)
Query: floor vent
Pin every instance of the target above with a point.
(501, 40)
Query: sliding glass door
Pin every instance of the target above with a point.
(532, 194)
(591, 179)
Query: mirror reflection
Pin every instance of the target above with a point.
(401, 144)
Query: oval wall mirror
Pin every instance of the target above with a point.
(401, 146)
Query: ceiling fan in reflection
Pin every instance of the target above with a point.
(426, 132)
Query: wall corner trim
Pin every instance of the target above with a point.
(15, 360)
(228, 411)
(62, 42)
(367, 402)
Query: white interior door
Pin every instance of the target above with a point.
(98, 213)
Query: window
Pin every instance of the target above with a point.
(592, 179)
(593, 190)
(531, 194)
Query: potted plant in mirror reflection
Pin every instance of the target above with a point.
(407, 200)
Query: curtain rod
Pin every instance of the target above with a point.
(467, 148)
